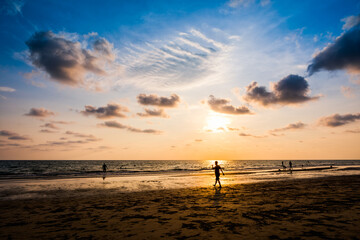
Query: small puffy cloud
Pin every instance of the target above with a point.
(50, 125)
(348, 91)
(356, 131)
(221, 105)
(7, 89)
(66, 60)
(153, 113)
(350, 22)
(343, 53)
(155, 100)
(12, 135)
(80, 135)
(109, 111)
(292, 126)
(337, 120)
(292, 89)
(198, 140)
(39, 112)
(114, 124)
(47, 131)
(250, 135)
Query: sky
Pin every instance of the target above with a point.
(156, 80)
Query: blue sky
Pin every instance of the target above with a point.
(193, 49)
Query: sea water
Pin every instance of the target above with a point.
(30, 179)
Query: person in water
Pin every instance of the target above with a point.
(104, 167)
(217, 173)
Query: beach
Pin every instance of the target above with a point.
(316, 208)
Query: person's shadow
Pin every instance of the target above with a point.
(218, 196)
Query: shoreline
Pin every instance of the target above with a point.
(327, 207)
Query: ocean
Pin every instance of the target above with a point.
(29, 179)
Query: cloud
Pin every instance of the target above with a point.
(153, 113)
(250, 135)
(247, 3)
(109, 111)
(337, 120)
(12, 135)
(350, 22)
(356, 131)
(39, 112)
(7, 89)
(347, 91)
(50, 125)
(155, 100)
(198, 140)
(292, 126)
(185, 60)
(292, 89)
(115, 124)
(46, 131)
(89, 137)
(11, 7)
(66, 60)
(221, 105)
(343, 53)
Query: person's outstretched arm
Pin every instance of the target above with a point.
(222, 171)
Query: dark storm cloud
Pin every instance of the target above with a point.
(64, 60)
(115, 124)
(292, 126)
(337, 120)
(39, 112)
(153, 113)
(344, 53)
(13, 135)
(156, 100)
(223, 106)
(292, 89)
(109, 111)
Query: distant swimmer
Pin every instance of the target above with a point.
(217, 173)
(104, 167)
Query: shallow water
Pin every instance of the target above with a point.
(34, 179)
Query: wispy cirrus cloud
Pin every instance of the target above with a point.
(109, 111)
(39, 112)
(337, 120)
(114, 124)
(292, 89)
(184, 60)
(11, 7)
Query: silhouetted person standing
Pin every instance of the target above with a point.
(104, 167)
(217, 173)
(290, 165)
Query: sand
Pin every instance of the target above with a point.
(321, 208)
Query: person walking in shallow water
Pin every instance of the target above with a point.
(104, 167)
(217, 173)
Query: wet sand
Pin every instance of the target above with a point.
(321, 208)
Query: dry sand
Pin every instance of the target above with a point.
(323, 208)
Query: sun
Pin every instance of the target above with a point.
(216, 123)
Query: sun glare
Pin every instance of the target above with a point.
(216, 123)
